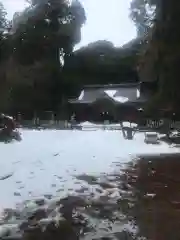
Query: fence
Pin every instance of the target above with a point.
(59, 124)
(163, 123)
(65, 124)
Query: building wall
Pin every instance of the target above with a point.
(100, 112)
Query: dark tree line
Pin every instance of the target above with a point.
(101, 63)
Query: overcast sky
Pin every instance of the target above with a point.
(106, 20)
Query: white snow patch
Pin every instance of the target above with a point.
(81, 95)
(121, 99)
(34, 160)
(110, 93)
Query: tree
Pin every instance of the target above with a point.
(100, 63)
(3, 20)
(39, 39)
(143, 14)
(51, 28)
(3, 26)
(43, 34)
(160, 59)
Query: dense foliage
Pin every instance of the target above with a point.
(32, 54)
(101, 63)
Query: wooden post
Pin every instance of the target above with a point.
(123, 131)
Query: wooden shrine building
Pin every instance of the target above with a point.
(114, 102)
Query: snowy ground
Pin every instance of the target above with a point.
(45, 162)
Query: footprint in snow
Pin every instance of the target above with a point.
(56, 154)
(6, 176)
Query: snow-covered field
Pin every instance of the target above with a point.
(45, 162)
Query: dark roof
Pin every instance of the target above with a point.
(119, 94)
(121, 85)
